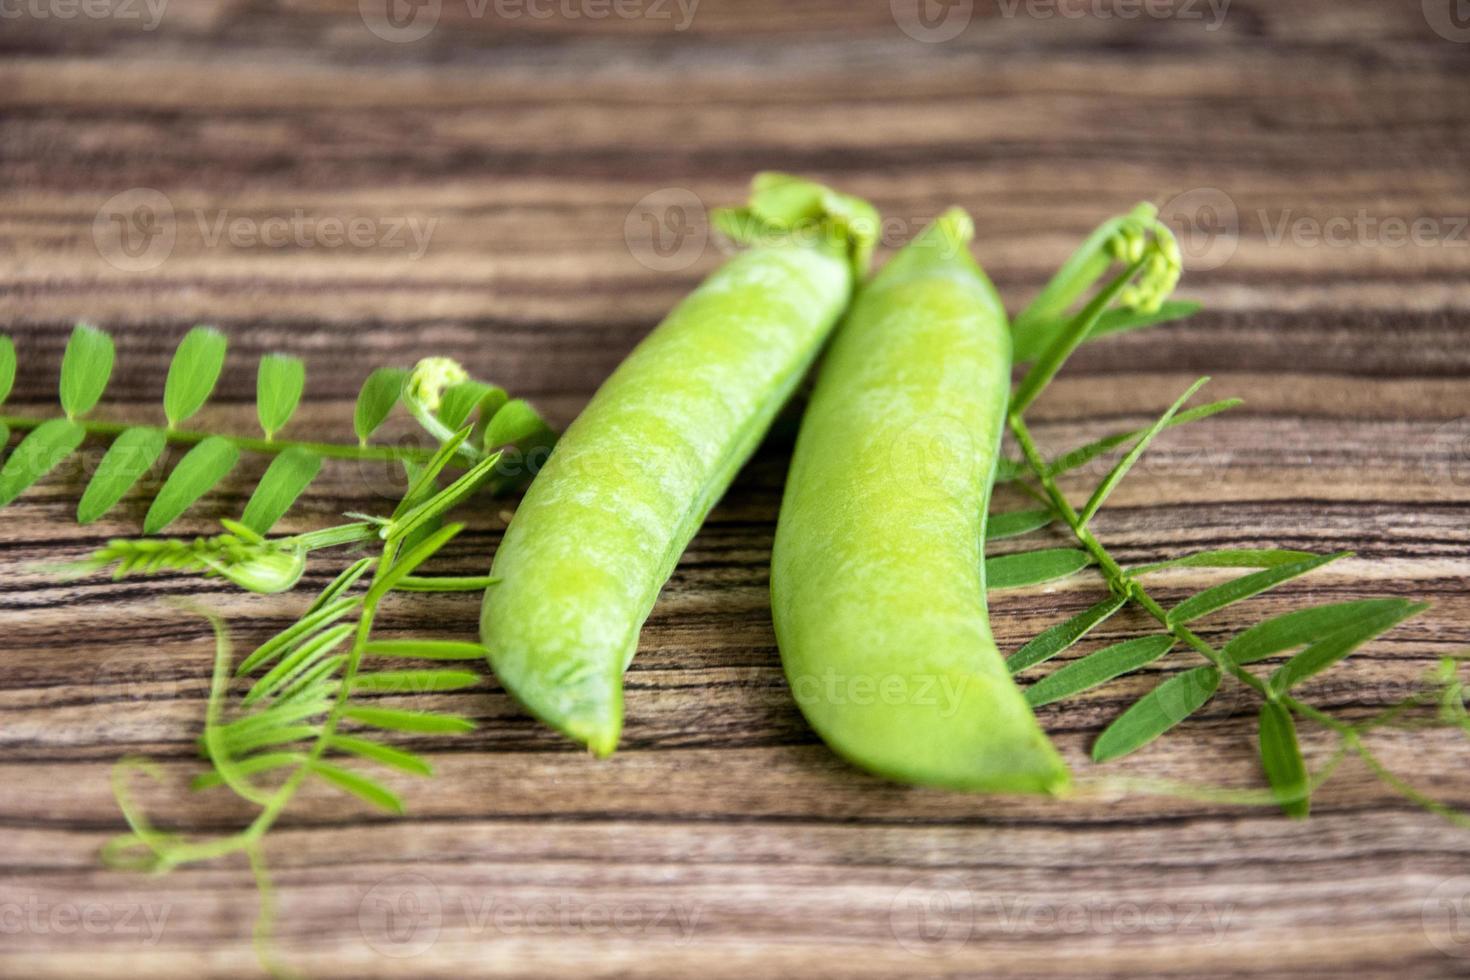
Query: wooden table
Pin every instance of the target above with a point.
(1292, 143)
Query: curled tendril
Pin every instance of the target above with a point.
(430, 378)
(1141, 237)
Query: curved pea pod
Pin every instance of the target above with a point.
(877, 573)
(633, 477)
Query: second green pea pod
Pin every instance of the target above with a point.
(877, 573)
(629, 483)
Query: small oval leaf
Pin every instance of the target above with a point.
(459, 400)
(1033, 567)
(359, 785)
(1013, 524)
(85, 368)
(278, 388)
(1281, 757)
(1057, 638)
(1098, 668)
(1333, 647)
(376, 399)
(515, 422)
(1214, 599)
(1302, 626)
(7, 366)
(285, 479)
(38, 453)
(128, 458)
(200, 469)
(427, 722)
(193, 373)
(1156, 712)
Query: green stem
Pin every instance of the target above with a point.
(265, 447)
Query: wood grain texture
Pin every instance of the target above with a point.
(724, 840)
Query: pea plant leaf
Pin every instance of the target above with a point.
(515, 422)
(7, 367)
(278, 387)
(1033, 567)
(459, 400)
(387, 755)
(287, 477)
(1301, 626)
(1013, 524)
(85, 368)
(193, 373)
(379, 393)
(1122, 320)
(1229, 558)
(130, 456)
(421, 649)
(358, 785)
(1281, 757)
(200, 469)
(423, 722)
(1062, 636)
(1156, 712)
(1333, 647)
(414, 681)
(1082, 455)
(1214, 599)
(38, 454)
(1098, 668)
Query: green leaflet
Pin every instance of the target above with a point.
(278, 387)
(1098, 668)
(376, 399)
(319, 618)
(1156, 712)
(414, 681)
(1083, 455)
(515, 422)
(299, 661)
(426, 649)
(1229, 558)
(1120, 470)
(38, 454)
(359, 785)
(1335, 646)
(1033, 567)
(1063, 635)
(410, 721)
(1302, 626)
(412, 559)
(459, 400)
(387, 755)
(1013, 524)
(192, 373)
(1211, 600)
(85, 368)
(200, 469)
(250, 766)
(1281, 757)
(285, 479)
(130, 456)
(7, 367)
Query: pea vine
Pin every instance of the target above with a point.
(1323, 636)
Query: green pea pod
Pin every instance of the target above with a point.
(631, 480)
(877, 574)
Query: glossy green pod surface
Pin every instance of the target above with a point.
(877, 574)
(629, 483)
